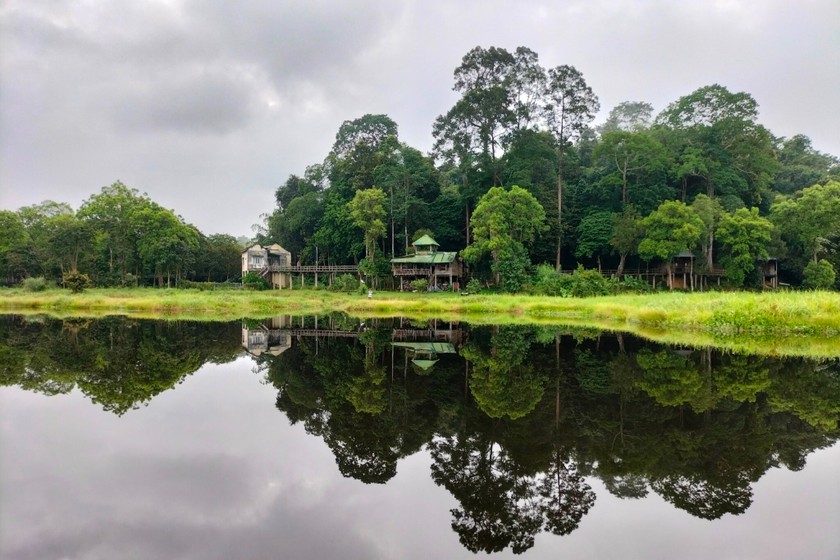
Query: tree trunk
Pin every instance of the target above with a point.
(559, 207)
(468, 223)
(621, 261)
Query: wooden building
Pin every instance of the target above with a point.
(770, 273)
(270, 337)
(271, 262)
(442, 269)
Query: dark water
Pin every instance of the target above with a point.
(331, 438)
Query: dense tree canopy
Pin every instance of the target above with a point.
(514, 122)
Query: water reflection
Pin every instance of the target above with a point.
(516, 419)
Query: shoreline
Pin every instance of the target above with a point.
(789, 323)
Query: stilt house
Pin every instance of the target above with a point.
(268, 262)
(442, 269)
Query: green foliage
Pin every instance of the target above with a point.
(809, 217)
(594, 234)
(503, 222)
(76, 282)
(549, 282)
(419, 285)
(367, 211)
(345, 283)
(744, 236)
(819, 275)
(37, 284)
(253, 281)
(473, 286)
(632, 285)
(589, 283)
(671, 228)
(512, 266)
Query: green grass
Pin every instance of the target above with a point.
(737, 320)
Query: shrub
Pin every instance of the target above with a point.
(473, 286)
(819, 275)
(345, 283)
(634, 285)
(77, 282)
(38, 284)
(588, 283)
(549, 282)
(253, 281)
(419, 285)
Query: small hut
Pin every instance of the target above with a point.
(442, 269)
(770, 273)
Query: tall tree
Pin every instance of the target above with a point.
(594, 234)
(744, 236)
(503, 222)
(628, 116)
(719, 143)
(627, 233)
(802, 166)
(632, 158)
(671, 228)
(810, 216)
(570, 105)
(112, 214)
(368, 211)
(710, 211)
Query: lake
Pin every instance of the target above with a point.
(334, 437)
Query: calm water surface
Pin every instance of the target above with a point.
(334, 438)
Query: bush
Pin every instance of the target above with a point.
(634, 285)
(38, 284)
(819, 275)
(419, 285)
(253, 281)
(345, 283)
(549, 282)
(588, 283)
(473, 286)
(77, 282)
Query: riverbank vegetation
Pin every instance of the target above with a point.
(714, 312)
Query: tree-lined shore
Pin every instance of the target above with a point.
(519, 177)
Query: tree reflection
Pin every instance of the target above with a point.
(118, 363)
(515, 425)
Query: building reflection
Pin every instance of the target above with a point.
(424, 340)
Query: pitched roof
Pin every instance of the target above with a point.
(441, 257)
(426, 240)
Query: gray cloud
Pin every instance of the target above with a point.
(208, 106)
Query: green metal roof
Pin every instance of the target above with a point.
(437, 347)
(426, 240)
(441, 257)
(424, 364)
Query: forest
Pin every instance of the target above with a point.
(520, 180)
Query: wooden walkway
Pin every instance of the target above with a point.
(302, 269)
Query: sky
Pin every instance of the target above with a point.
(208, 106)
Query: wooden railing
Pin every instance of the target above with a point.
(414, 271)
(351, 268)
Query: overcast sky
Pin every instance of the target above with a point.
(208, 106)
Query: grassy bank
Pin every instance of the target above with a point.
(784, 323)
(769, 313)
